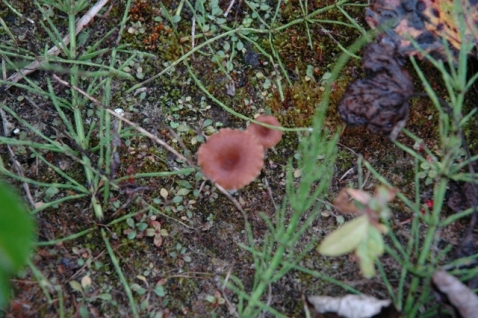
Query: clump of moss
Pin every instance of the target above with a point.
(298, 107)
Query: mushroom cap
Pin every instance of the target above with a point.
(231, 158)
(267, 137)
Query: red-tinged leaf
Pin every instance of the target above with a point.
(359, 195)
(155, 224)
(344, 203)
(158, 240)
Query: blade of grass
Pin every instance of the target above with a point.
(117, 267)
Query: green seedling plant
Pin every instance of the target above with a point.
(363, 234)
(216, 300)
(87, 295)
(180, 255)
(156, 232)
(149, 291)
(136, 229)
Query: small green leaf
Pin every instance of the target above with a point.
(159, 290)
(375, 242)
(145, 304)
(132, 235)
(76, 286)
(211, 298)
(226, 46)
(140, 290)
(50, 193)
(425, 165)
(217, 12)
(84, 312)
(340, 219)
(185, 184)
(183, 191)
(177, 199)
(104, 296)
(253, 5)
(142, 226)
(368, 250)
(346, 238)
(367, 266)
(130, 222)
(421, 174)
(16, 237)
(310, 71)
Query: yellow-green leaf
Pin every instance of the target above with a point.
(366, 262)
(164, 193)
(76, 286)
(346, 238)
(375, 242)
(368, 250)
(86, 282)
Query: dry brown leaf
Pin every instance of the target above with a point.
(344, 203)
(352, 306)
(462, 300)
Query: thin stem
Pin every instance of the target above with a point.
(132, 304)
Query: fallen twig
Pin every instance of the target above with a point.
(16, 164)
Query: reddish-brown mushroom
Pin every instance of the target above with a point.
(267, 137)
(231, 158)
